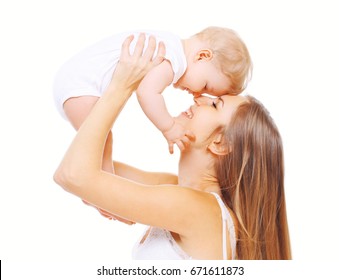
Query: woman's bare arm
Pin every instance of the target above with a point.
(144, 177)
(80, 173)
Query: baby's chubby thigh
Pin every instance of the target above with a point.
(78, 108)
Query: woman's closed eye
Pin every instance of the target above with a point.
(218, 101)
(214, 104)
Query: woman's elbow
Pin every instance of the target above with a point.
(60, 177)
(67, 179)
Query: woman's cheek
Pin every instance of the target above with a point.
(202, 128)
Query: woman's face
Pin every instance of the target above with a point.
(207, 114)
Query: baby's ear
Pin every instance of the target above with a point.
(205, 54)
(218, 146)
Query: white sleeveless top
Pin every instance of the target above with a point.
(160, 245)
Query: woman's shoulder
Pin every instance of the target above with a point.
(227, 212)
(207, 232)
(229, 224)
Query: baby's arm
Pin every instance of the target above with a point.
(150, 98)
(153, 105)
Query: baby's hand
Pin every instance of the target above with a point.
(179, 136)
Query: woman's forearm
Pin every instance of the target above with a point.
(82, 162)
(84, 156)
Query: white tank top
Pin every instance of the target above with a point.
(160, 245)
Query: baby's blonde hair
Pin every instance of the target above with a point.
(230, 54)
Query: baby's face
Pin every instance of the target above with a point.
(204, 77)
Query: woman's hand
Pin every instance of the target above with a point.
(132, 68)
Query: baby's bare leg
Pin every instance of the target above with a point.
(76, 110)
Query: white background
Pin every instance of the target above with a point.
(294, 47)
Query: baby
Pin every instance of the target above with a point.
(214, 61)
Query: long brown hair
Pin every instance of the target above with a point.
(251, 177)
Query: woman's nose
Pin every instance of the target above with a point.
(202, 100)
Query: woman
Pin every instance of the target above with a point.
(227, 201)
